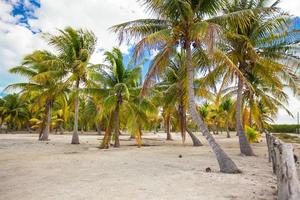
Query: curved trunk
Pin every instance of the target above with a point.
(75, 137)
(196, 141)
(169, 136)
(245, 147)
(225, 163)
(116, 125)
(45, 134)
(107, 136)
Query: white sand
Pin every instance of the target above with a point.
(58, 170)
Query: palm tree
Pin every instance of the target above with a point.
(184, 23)
(264, 44)
(174, 93)
(226, 106)
(114, 83)
(74, 48)
(44, 84)
(14, 112)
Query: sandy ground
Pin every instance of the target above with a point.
(32, 170)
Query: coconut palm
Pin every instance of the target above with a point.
(227, 107)
(74, 48)
(114, 83)
(184, 23)
(44, 85)
(264, 44)
(174, 93)
(14, 112)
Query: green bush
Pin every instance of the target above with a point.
(252, 134)
(284, 128)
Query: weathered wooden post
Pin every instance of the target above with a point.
(288, 183)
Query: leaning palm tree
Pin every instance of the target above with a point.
(75, 48)
(264, 45)
(114, 83)
(44, 84)
(183, 24)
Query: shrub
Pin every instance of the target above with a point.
(284, 128)
(252, 134)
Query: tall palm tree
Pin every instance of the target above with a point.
(114, 83)
(74, 48)
(264, 44)
(183, 23)
(44, 85)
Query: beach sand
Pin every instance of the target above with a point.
(33, 170)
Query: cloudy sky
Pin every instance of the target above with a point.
(21, 22)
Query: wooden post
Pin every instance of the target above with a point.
(268, 145)
(288, 183)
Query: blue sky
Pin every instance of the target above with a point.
(22, 21)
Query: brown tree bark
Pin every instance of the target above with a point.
(45, 133)
(75, 137)
(168, 119)
(225, 163)
(245, 147)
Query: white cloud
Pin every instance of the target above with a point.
(291, 6)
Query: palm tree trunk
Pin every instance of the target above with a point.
(1, 126)
(139, 137)
(75, 137)
(225, 163)
(245, 147)
(196, 141)
(227, 127)
(61, 129)
(116, 125)
(169, 136)
(98, 128)
(182, 121)
(107, 136)
(45, 133)
(250, 116)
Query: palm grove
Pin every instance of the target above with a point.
(220, 66)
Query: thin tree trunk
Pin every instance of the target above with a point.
(116, 125)
(225, 163)
(245, 147)
(98, 128)
(61, 129)
(75, 137)
(45, 133)
(139, 137)
(182, 121)
(169, 136)
(250, 116)
(227, 127)
(107, 136)
(196, 141)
